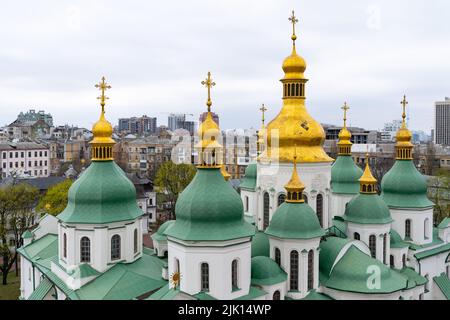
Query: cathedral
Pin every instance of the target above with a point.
(303, 226)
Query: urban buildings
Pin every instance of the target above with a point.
(178, 121)
(33, 116)
(24, 159)
(138, 125)
(442, 122)
(389, 130)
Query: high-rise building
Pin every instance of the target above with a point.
(33, 116)
(176, 121)
(138, 125)
(442, 122)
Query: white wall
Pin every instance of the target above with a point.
(339, 203)
(219, 258)
(417, 218)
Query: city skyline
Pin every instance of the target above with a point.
(53, 65)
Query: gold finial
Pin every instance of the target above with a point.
(263, 110)
(293, 20)
(295, 186)
(367, 181)
(208, 83)
(103, 86)
(404, 103)
(345, 108)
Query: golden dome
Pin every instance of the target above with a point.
(344, 142)
(404, 146)
(295, 186)
(344, 135)
(293, 126)
(294, 66)
(367, 181)
(102, 130)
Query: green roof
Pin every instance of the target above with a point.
(27, 234)
(266, 272)
(443, 282)
(159, 235)
(295, 221)
(350, 274)
(404, 187)
(345, 176)
(164, 293)
(341, 225)
(432, 252)
(249, 219)
(84, 271)
(103, 194)
(367, 209)
(314, 295)
(444, 223)
(249, 181)
(209, 209)
(42, 248)
(204, 296)
(253, 293)
(41, 291)
(260, 245)
(397, 241)
(414, 279)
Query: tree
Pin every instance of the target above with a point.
(439, 193)
(16, 215)
(55, 200)
(171, 179)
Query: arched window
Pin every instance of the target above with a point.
(297, 90)
(356, 236)
(319, 208)
(384, 247)
(310, 270)
(65, 245)
(408, 229)
(404, 260)
(234, 274)
(246, 203)
(266, 211)
(204, 278)
(278, 256)
(305, 197)
(135, 240)
(294, 271)
(289, 90)
(85, 249)
(426, 227)
(373, 246)
(427, 284)
(392, 261)
(115, 247)
(277, 295)
(281, 199)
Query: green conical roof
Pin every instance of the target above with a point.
(159, 235)
(209, 209)
(266, 272)
(404, 187)
(249, 182)
(295, 221)
(103, 194)
(367, 209)
(345, 175)
(260, 245)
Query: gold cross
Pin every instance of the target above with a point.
(345, 108)
(263, 110)
(293, 20)
(208, 83)
(103, 86)
(404, 103)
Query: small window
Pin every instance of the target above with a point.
(294, 271)
(135, 240)
(310, 270)
(277, 295)
(85, 250)
(392, 261)
(204, 277)
(281, 199)
(408, 229)
(64, 245)
(357, 236)
(115, 247)
(278, 256)
(234, 274)
(373, 246)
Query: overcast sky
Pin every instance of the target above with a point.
(156, 53)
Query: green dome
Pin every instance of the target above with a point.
(102, 194)
(345, 176)
(159, 235)
(404, 187)
(260, 245)
(295, 221)
(209, 209)
(249, 182)
(367, 209)
(266, 272)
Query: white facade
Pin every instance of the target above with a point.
(271, 181)
(147, 204)
(339, 202)
(420, 221)
(187, 259)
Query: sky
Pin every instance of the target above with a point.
(155, 54)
